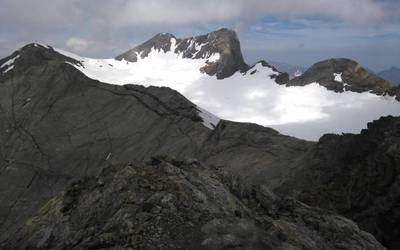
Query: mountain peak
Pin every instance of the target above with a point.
(342, 74)
(223, 42)
(32, 54)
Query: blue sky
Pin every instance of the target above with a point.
(290, 31)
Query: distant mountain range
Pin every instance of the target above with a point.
(392, 74)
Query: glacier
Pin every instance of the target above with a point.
(305, 112)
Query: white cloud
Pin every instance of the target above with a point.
(87, 47)
(117, 23)
(193, 11)
(77, 45)
(54, 14)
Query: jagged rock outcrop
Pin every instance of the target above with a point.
(357, 176)
(170, 204)
(224, 42)
(57, 125)
(341, 74)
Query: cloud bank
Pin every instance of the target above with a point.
(100, 28)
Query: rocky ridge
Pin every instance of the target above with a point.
(171, 204)
(342, 74)
(357, 176)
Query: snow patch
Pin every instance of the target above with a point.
(41, 45)
(173, 44)
(10, 61)
(198, 47)
(209, 120)
(8, 69)
(214, 57)
(9, 64)
(338, 77)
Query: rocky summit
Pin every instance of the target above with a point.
(86, 164)
(224, 42)
(342, 74)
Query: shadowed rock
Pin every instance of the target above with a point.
(170, 204)
(357, 176)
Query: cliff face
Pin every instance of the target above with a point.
(170, 204)
(357, 176)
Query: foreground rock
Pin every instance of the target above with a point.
(169, 204)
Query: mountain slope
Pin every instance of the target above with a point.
(59, 125)
(392, 74)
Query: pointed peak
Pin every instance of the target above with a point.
(31, 54)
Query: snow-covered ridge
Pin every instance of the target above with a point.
(303, 111)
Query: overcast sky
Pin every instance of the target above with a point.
(292, 31)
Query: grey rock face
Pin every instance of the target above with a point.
(355, 77)
(223, 41)
(357, 176)
(170, 204)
